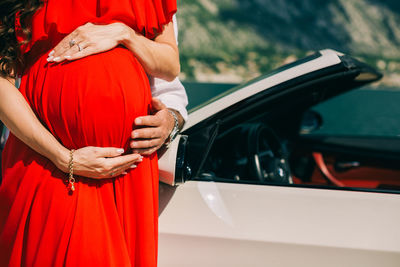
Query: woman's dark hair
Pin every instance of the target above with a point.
(10, 56)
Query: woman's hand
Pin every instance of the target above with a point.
(99, 162)
(87, 40)
(92, 162)
(159, 57)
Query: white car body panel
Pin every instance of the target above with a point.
(167, 162)
(226, 224)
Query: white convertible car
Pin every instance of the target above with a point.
(251, 181)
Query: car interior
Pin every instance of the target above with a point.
(272, 143)
(270, 151)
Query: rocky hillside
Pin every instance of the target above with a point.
(235, 40)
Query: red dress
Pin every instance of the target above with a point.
(88, 102)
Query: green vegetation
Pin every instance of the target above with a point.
(236, 40)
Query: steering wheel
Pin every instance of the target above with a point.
(252, 151)
(266, 155)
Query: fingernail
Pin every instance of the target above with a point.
(133, 144)
(140, 160)
(67, 56)
(49, 59)
(120, 150)
(135, 135)
(51, 53)
(56, 58)
(133, 166)
(138, 121)
(124, 173)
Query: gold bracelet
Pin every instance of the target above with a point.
(71, 179)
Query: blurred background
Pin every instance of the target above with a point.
(231, 41)
(226, 42)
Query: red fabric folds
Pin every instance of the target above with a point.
(56, 19)
(92, 101)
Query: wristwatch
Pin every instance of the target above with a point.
(174, 131)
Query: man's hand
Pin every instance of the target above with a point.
(153, 129)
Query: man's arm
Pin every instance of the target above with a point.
(153, 130)
(172, 94)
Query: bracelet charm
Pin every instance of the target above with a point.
(71, 179)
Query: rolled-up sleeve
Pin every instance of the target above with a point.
(172, 94)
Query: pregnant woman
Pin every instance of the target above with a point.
(84, 101)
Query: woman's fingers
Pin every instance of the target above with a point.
(120, 165)
(69, 53)
(85, 50)
(87, 40)
(123, 169)
(73, 43)
(114, 166)
(116, 162)
(64, 45)
(107, 152)
(103, 162)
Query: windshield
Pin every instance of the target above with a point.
(202, 94)
(367, 111)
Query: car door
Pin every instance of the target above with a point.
(359, 139)
(228, 224)
(214, 221)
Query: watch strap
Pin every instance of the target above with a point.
(174, 131)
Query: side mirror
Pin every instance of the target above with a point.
(310, 122)
(172, 163)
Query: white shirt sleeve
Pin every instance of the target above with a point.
(172, 94)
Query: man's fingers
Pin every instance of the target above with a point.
(147, 133)
(149, 120)
(146, 151)
(147, 143)
(157, 104)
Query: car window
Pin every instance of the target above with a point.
(199, 93)
(349, 142)
(364, 112)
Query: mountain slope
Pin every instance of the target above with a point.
(234, 40)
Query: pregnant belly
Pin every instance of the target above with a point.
(91, 101)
